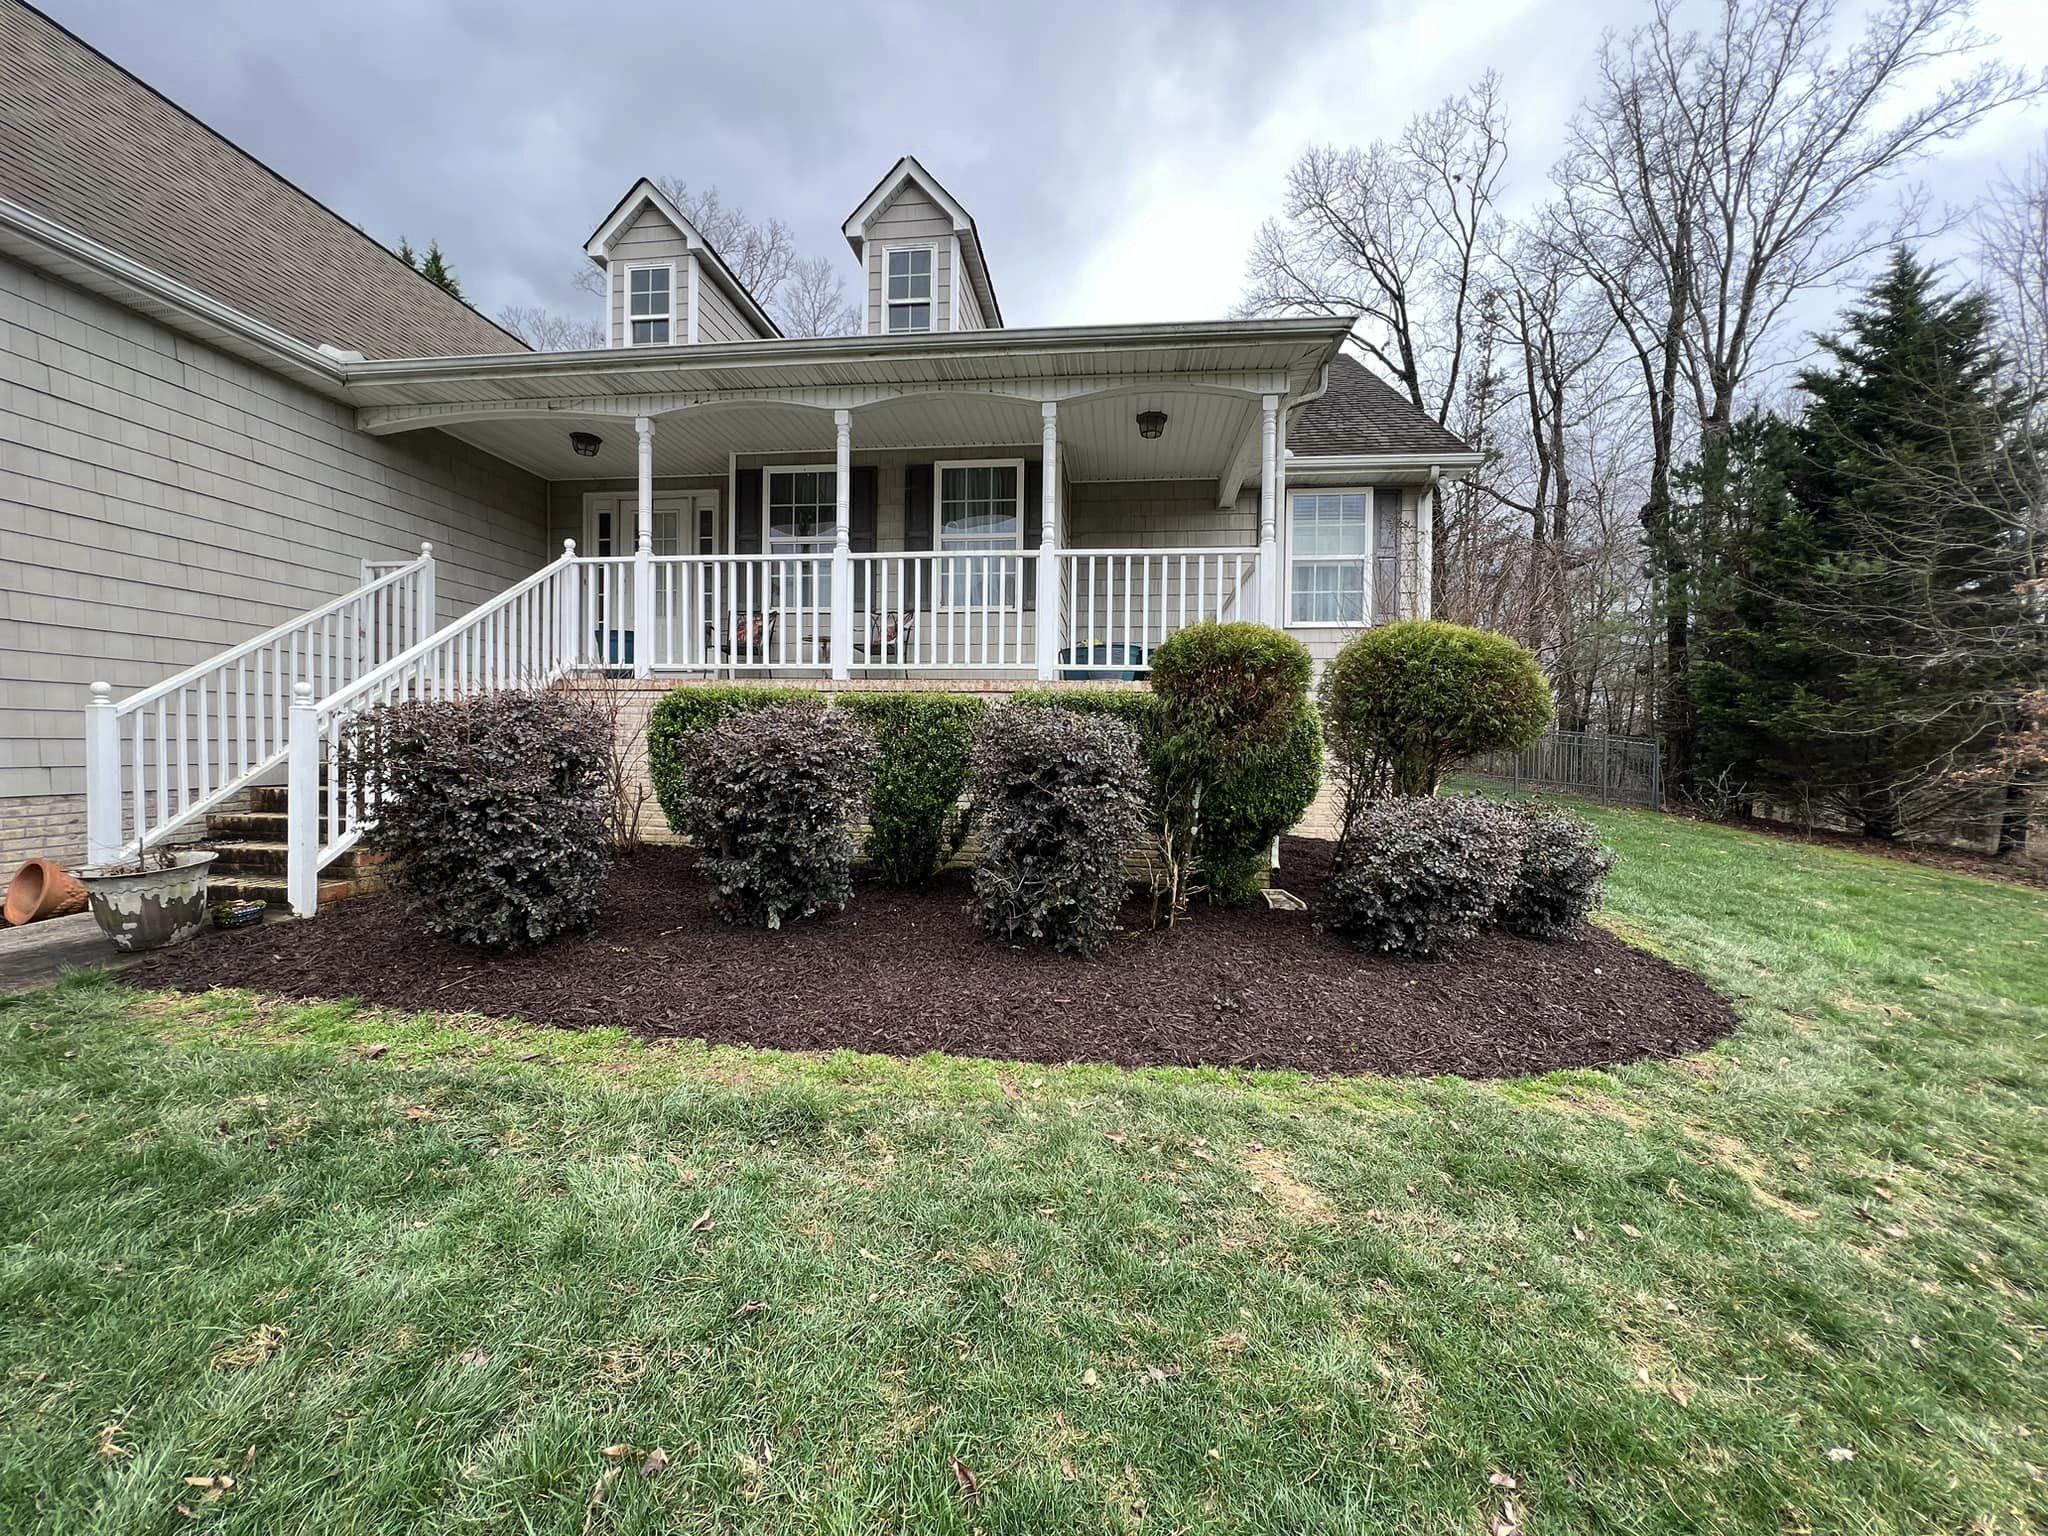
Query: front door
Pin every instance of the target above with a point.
(685, 523)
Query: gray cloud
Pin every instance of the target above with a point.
(1076, 131)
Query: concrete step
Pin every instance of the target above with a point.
(242, 855)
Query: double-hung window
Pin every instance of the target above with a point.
(650, 305)
(803, 520)
(908, 273)
(980, 519)
(1332, 536)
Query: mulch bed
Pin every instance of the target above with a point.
(905, 972)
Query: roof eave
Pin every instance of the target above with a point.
(79, 259)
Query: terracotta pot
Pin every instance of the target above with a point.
(43, 888)
(154, 907)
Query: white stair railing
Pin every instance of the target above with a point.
(160, 759)
(1119, 604)
(526, 637)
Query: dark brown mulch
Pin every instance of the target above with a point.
(904, 972)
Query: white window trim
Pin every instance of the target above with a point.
(626, 315)
(1370, 493)
(932, 302)
(939, 469)
(768, 474)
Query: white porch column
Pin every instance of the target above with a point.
(103, 778)
(1269, 513)
(842, 544)
(643, 555)
(1048, 643)
(1425, 547)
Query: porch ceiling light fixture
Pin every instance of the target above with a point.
(1151, 423)
(586, 443)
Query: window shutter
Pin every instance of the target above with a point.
(747, 513)
(863, 493)
(917, 506)
(1386, 556)
(1032, 517)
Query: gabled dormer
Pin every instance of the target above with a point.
(665, 285)
(923, 257)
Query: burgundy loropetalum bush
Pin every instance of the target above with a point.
(1419, 876)
(772, 798)
(491, 811)
(1061, 798)
(1562, 874)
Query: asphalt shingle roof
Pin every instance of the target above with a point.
(87, 145)
(1361, 413)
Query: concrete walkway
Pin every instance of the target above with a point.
(36, 954)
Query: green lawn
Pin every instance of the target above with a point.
(397, 1275)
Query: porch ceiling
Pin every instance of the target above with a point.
(1099, 437)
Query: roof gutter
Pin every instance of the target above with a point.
(120, 278)
(1436, 466)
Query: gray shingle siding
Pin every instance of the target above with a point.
(162, 501)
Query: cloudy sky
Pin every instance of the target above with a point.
(1116, 154)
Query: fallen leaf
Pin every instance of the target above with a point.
(1501, 1480)
(702, 1223)
(474, 1357)
(1067, 1472)
(619, 1452)
(1577, 1235)
(1840, 1453)
(1629, 1231)
(371, 1053)
(970, 1485)
(749, 1308)
(1088, 1377)
(418, 1112)
(109, 1441)
(1215, 1453)
(655, 1464)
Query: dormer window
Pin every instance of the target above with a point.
(909, 274)
(650, 305)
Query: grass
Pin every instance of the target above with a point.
(421, 1274)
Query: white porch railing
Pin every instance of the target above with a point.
(945, 612)
(163, 757)
(1117, 605)
(525, 637)
(707, 612)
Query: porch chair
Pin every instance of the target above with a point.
(744, 637)
(889, 635)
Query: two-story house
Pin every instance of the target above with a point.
(230, 419)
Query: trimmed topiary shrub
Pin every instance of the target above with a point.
(915, 819)
(1404, 703)
(682, 713)
(1062, 797)
(1228, 688)
(771, 798)
(491, 811)
(1419, 876)
(1561, 877)
(1236, 739)
(1254, 800)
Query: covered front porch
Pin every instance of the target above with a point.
(985, 510)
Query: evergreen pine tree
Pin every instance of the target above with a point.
(433, 266)
(1875, 641)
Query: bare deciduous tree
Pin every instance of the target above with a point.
(1398, 233)
(1715, 177)
(813, 301)
(544, 330)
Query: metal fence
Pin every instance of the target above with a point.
(1626, 770)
